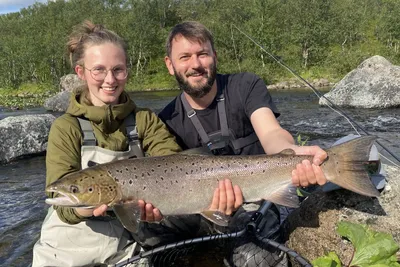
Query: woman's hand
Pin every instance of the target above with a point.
(149, 213)
(99, 211)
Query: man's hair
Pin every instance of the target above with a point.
(191, 30)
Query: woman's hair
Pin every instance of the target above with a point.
(87, 34)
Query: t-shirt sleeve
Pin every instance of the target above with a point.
(256, 95)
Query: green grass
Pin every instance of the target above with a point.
(27, 95)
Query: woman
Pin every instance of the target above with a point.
(71, 236)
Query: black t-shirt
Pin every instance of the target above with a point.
(244, 93)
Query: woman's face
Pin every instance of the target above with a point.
(103, 69)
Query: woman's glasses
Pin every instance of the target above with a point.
(100, 73)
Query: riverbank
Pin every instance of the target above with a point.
(34, 95)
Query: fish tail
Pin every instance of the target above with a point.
(346, 166)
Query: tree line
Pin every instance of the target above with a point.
(318, 38)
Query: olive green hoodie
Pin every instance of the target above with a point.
(65, 138)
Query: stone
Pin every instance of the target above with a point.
(375, 83)
(58, 102)
(70, 82)
(24, 135)
(312, 227)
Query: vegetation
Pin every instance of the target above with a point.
(318, 38)
(371, 248)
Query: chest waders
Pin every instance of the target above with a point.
(224, 141)
(91, 154)
(93, 241)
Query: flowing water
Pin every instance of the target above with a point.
(22, 182)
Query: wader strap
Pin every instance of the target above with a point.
(131, 130)
(223, 121)
(88, 136)
(244, 141)
(195, 120)
(237, 143)
(132, 134)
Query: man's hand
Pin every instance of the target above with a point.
(227, 198)
(149, 213)
(307, 173)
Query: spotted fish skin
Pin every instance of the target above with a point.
(184, 184)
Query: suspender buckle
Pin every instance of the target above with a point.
(191, 113)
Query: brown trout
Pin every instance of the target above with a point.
(184, 183)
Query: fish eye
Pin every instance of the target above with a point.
(74, 189)
(90, 189)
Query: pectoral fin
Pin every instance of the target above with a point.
(216, 217)
(285, 196)
(129, 215)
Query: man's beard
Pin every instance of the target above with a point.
(193, 90)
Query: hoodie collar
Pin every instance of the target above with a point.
(108, 117)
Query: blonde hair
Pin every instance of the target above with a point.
(87, 34)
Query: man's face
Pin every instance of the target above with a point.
(193, 64)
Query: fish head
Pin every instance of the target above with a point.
(87, 188)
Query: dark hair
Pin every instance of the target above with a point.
(87, 34)
(191, 30)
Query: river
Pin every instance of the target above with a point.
(22, 182)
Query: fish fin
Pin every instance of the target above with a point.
(285, 196)
(216, 217)
(197, 151)
(346, 166)
(128, 214)
(287, 151)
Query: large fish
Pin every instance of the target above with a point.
(184, 183)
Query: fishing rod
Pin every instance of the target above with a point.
(331, 105)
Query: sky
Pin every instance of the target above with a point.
(7, 6)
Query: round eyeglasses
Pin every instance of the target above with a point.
(100, 73)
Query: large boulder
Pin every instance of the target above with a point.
(58, 102)
(24, 135)
(374, 84)
(70, 82)
(312, 227)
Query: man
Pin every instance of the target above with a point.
(228, 114)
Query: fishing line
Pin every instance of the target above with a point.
(330, 104)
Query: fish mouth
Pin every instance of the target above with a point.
(63, 200)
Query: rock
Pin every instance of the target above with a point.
(58, 103)
(70, 82)
(312, 227)
(24, 135)
(374, 84)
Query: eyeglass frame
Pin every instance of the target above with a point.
(106, 73)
